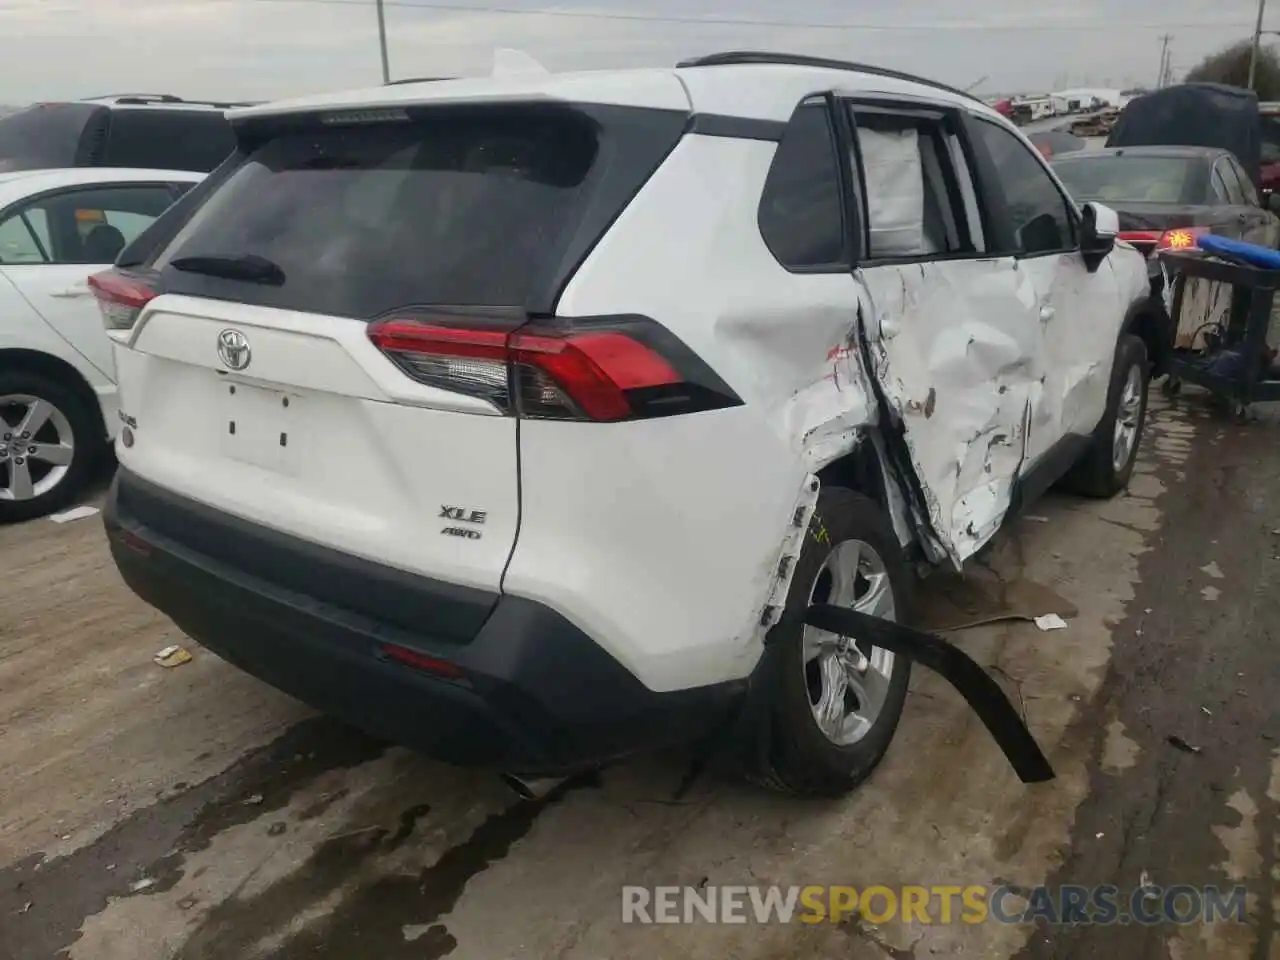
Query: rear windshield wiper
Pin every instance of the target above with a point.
(243, 266)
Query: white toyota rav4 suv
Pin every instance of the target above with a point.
(521, 419)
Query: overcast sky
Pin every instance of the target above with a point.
(260, 49)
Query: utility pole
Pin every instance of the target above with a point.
(1257, 41)
(382, 42)
(1164, 56)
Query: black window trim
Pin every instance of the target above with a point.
(1225, 160)
(849, 215)
(994, 189)
(1248, 189)
(20, 207)
(939, 114)
(1215, 173)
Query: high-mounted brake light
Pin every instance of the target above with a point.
(603, 373)
(120, 298)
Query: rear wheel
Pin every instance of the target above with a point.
(48, 444)
(1107, 465)
(829, 705)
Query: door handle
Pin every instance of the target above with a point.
(1046, 313)
(73, 293)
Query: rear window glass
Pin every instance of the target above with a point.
(160, 139)
(44, 136)
(463, 208)
(1134, 179)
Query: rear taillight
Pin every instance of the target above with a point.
(120, 298)
(1178, 238)
(600, 370)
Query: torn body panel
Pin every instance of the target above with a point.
(961, 369)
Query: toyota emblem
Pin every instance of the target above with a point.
(233, 349)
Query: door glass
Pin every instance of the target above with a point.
(1042, 220)
(1232, 182)
(169, 139)
(20, 241)
(1246, 185)
(93, 224)
(1219, 187)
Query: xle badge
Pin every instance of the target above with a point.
(462, 515)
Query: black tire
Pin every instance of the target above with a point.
(1095, 474)
(785, 749)
(87, 435)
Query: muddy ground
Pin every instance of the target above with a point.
(194, 813)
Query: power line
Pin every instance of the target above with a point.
(943, 26)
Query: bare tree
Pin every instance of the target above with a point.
(1231, 66)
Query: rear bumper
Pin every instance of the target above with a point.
(536, 695)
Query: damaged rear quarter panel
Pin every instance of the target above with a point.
(961, 364)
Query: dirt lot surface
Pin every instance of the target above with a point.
(194, 813)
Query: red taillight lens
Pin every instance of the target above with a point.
(591, 374)
(120, 298)
(1180, 238)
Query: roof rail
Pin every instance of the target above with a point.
(738, 57)
(392, 83)
(132, 99)
(140, 97)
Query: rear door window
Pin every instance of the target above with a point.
(82, 224)
(916, 206)
(466, 208)
(169, 139)
(21, 242)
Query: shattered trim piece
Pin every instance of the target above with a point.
(780, 584)
(977, 687)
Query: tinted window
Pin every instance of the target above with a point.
(1119, 178)
(1270, 139)
(464, 208)
(1247, 191)
(1234, 191)
(800, 207)
(89, 225)
(44, 136)
(162, 139)
(1219, 186)
(1042, 222)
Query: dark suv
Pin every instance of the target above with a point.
(154, 131)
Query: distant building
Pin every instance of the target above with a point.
(1091, 98)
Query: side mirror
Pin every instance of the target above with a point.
(1098, 229)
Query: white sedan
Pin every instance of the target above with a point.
(57, 377)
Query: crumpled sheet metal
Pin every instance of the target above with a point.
(942, 335)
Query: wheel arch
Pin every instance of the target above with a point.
(864, 470)
(55, 368)
(1147, 320)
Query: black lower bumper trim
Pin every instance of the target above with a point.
(536, 695)
(981, 692)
